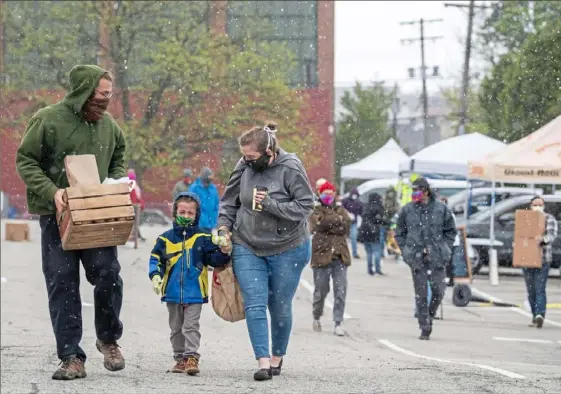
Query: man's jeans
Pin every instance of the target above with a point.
(322, 276)
(374, 252)
(62, 275)
(354, 235)
(271, 282)
(536, 281)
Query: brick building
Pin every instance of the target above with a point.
(306, 27)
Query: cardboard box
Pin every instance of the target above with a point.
(528, 223)
(527, 251)
(96, 215)
(17, 232)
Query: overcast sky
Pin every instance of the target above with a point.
(368, 46)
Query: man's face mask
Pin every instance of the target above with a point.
(94, 108)
(260, 164)
(327, 199)
(417, 196)
(206, 180)
(183, 221)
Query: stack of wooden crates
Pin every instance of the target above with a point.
(96, 215)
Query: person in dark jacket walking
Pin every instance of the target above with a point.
(78, 125)
(425, 233)
(354, 207)
(370, 233)
(330, 226)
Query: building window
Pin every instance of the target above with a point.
(293, 23)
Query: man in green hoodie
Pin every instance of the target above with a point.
(77, 125)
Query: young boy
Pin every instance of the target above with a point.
(178, 271)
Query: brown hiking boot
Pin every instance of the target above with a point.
(179, 367)
(70, 368)
(192, 366)
(113, 360)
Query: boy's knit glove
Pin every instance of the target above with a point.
(220, 240)
(157, 284)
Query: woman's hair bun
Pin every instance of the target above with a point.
(271, 126)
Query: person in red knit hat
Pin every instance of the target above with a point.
(330, 225)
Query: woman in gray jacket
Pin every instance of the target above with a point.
(266, 205)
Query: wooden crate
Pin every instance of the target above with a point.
(96, 216)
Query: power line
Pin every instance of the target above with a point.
(422, 38)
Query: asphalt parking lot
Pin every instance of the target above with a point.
(475, 349)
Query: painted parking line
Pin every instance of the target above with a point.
(529, 340)
(516, 310)
(87, 304)
(499, 371)
(308, 286)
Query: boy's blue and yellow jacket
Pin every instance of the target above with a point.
(181, 256)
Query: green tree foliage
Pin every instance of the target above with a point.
(363, 127)
(475, 114)
(521, 93)
(182, 91)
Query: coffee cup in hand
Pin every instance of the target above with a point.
(257, 206)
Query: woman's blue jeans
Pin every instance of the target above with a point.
(271, 282)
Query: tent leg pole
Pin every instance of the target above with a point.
(493, 260)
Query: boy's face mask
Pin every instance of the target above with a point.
(183, 221)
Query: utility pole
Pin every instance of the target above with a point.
(422, 39)
(466, 75)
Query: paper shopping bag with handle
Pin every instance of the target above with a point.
(226, 297)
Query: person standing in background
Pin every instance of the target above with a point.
(183, 185)
(370, 232)
(354, 207)
(137, 200)
(536, 278)
(391, 208)
(207, 192)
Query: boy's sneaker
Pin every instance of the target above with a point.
(539, 321)
(179, 367)
(70, 368)
(113, 359)
(192, 365)
(317, 325)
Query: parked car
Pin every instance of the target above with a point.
(478, 226)
(443, 187)
(481, 198)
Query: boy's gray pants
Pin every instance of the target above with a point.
(185, 335)
(322, 276)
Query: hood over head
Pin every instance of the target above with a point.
(192, 196)
(83, 81)
(354, 192)
(374, 198)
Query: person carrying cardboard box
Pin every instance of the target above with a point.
(77, 125)
(536, 278)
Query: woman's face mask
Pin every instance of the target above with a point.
(260, 164)
(327, 199)
(537, 208)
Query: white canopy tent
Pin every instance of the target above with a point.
(451, 156)
(535, 159)
(384, 163)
